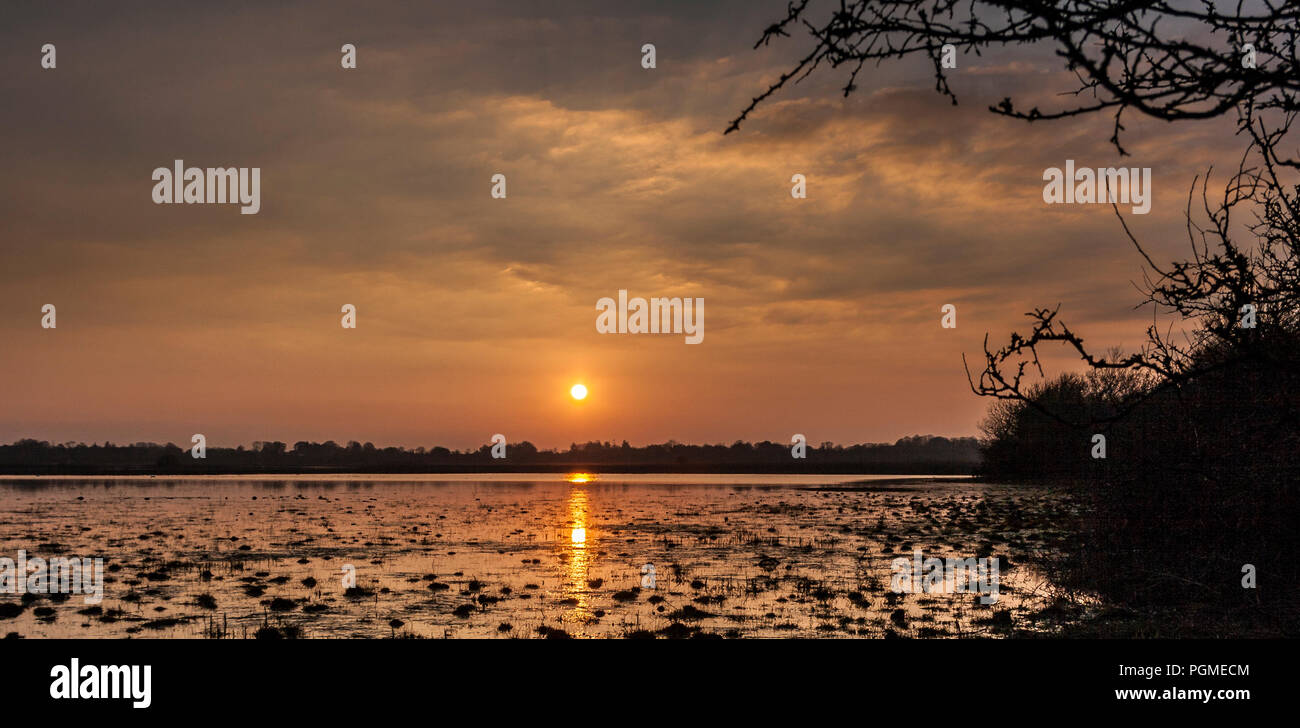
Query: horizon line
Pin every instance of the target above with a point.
(488, 443)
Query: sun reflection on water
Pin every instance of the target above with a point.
(578, 558)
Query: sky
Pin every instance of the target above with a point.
(475, 315)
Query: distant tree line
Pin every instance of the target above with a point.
(919, 454)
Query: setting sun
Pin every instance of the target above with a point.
(579, 391)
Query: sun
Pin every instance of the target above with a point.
(578, 391)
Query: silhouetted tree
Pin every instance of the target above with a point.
(1168, 60)
(1171, 61)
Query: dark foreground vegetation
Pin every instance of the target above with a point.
(909, 455)
(1196, 498)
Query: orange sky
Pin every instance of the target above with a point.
(476, 315)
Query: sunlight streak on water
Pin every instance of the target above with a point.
(578, 555)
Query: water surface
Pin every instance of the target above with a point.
(522, 555)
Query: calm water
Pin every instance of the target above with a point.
(521, 555)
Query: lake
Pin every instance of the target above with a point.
(526, 555)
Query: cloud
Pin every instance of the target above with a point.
(475, 312)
